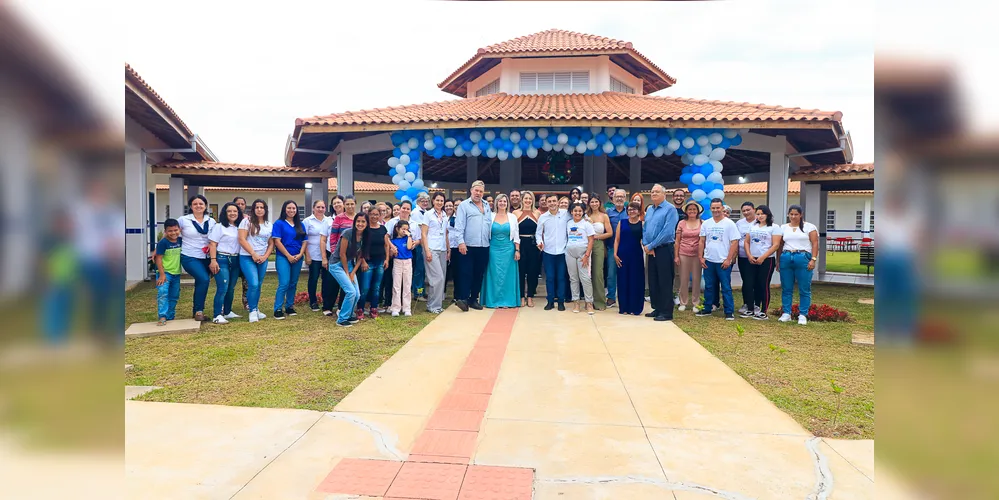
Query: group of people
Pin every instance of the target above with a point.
(595, 254)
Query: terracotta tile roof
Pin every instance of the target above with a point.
(848, 168)
(235, 167)
(606, 106)
(793, 187)
(130, 73)
(556, 42)
(366, 187)
(166, 187)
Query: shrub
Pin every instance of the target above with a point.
(303, 298)
(818, 312)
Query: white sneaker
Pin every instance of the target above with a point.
(682, 308)
(802, 320)
(743, 309)
(383, 309)
(254, 316)
(395, 314)
(220, 320)
(407, 313)
(676, 301)
(648, 299)
(232, 315)
(784, 318)
(261, 315)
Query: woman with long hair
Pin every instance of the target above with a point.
(500, 287)
(578, 249)
(630, 259)
(376, 256)
(638, 198)
(601, 232)
(317, 227)
(574, 195)
(436, 251)
(761, 247)
(530, 257)
(686, 257)
(194, 229)
(256, 246)
(343, 221)
(798, 249)
(291, 242)
(346, 261)
(224, 251)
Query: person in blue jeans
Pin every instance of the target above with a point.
(194, 229)
(551, 238)
(224, 263)
(256, 246)
(719, 249)
(376, 255)
(348, 258)
(290, 240)
(617, 213)
(799, 247)
(168, 272)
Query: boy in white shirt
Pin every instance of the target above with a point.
(719, 250)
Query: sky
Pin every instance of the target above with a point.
(240, 77)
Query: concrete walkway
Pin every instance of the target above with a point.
(578, 406)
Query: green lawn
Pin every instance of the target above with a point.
(845, 262)
(798, 380)
(304, 361)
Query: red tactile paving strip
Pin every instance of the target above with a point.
(435, 459)
(428, 481)
(497, 483)
(446, 443)
(456, 420)
(361, 477)
(464, 401)
(474, 385)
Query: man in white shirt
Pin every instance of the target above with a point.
(552, 237)
(718, 250)
(744, 225)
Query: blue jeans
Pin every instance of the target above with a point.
(225, 284)
(419, 272)
(167, 295)
(288, 275)
(716, 278)
(351, 290)
(370, 283)
(198, 268)
(794, 268)
(611, 276)
(253, 274)
(556, 277)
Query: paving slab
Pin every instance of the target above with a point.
(128, 367)
(863, 338)
(866, 301)
(177, 326)
(134, 391)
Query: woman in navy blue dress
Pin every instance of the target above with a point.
(630, 260)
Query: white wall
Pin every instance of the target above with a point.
(600, 68)
(846, 207)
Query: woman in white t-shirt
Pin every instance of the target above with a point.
(224, 251)
(578, 248)
(799, 247)
(317, 227)
(194, 229)
(761, 247)
(256, 246)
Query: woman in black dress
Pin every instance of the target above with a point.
(530, 256)
(630, 259)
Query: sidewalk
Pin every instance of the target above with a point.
(578, 406)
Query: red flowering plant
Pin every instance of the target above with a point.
(818, 312)
(303, 298)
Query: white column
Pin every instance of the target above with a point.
(820, 266)
(599, 177)
(507, 168)
(136, 224)
(345, 174)
(811, 194)
(867, 219)
(635, 175)
(320, 191)
(472, 172)
(777, 183)
(271, 209)
(19, 245)
(176, 199)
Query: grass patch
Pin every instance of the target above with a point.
(303, 362)
(845, 262)
(796, 376)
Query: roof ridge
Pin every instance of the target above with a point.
(129, 70)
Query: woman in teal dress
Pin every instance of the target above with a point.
(501, 286)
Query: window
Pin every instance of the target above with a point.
(872, 221)
(557, 82)
(301, 212)
(735, 216)
(830, 219)
(619, 86)
(490, 88)
(213, 210)
(167, 212)
(860, 220)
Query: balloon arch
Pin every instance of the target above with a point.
(700, 150)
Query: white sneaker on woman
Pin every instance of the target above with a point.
(784, 318)
(232, 315)
(802, 320)
(220, 320)
(261, 315)
(254, 316)
(682, 308)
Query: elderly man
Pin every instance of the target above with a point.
(616, 213)
(472, 231)
(514, 200)
(658, 238)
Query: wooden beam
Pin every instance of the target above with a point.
(833, 177)
(487, 167)
(197, 172)
(162, 113)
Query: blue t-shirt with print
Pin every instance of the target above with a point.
(404, 252)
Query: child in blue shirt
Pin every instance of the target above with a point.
(168, 271)
(402, 268)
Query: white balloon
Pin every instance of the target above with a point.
(502, 155)
(608, 147)
(622, 149)
(404, 160)
(558, 146)
(658, 151)
(409, 176)
(595, 130)
(517, 152)
(476, 151)
(717, 154)
(642, 139)
(404, 149)
(439, 133)
(505, 134)
(673, 145)
(715, 177)
(568, 149)
(706, 150)
(491, 152)
(730, 133)
(643, 151)
(429, 145)
(515, 136)
(580, 147)
(700, 160)
(697, 179)
(530, 134)
(703, 140)
(542, 133)
(489, 135)
(633, 151)
(405, 197)
(563, 138)
(428, 135)
(698, 194)
(475, 136)
(688, 142)
(610, 131)
(717, 193)
(591, 144)
(392, 162)
(396, 179)
(715, 138)
(459, 151)
(624, 131)
(413, 143)
(547, 146)
(404, 184)
(418, 183)
(532, 152)
(715, 164)
(687, 159)
(450, 142)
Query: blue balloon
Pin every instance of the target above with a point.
(448, 151)
(707, 186)
(414, 156)
(585, 135)
(681, 134)
(652, 144)
(682, 151)
(617, 139)
(438, 153)
(523, 144)
(707, 212)
(573, 141)
(725, 143)
(497, 143)
(537, 142)
(467, 145)
(707, 169)
(483, 145)
(685, 178)
(601, 138)
(438, 140)
(507, 145)
(652, 133)
(399, 194)
(631, 141)
(413, 167)
(397, 152)
(735, 141)
(396, 138)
